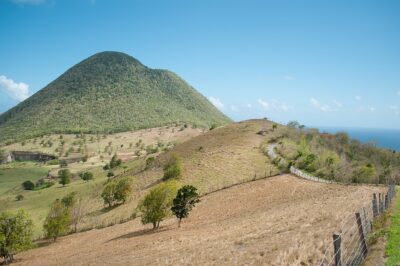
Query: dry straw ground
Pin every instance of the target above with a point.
(281, 220)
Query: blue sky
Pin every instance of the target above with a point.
(323, 63)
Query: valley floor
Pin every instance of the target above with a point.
(281, 220)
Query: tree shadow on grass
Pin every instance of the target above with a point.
(103, 210)
(141, 233)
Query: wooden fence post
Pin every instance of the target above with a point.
(374, 206)
(362, 235)
(386, 201)
(337, 241)
(379, 203)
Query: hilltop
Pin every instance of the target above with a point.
(106, 93)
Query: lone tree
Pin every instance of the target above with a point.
(57, 221)
(65, 176)
(16, 230)
(185, 200)
(116, 191)
(157, 203)
(28, 185)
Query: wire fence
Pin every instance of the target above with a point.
(350, 245)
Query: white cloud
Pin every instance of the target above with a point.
(288, 77)
(263, 104)
(234, 108)
(216, 102)
(323, 107)
(338, 104)
(358, 98)
(18, 91)
(372, 109)
(28, 2)
(274, 105)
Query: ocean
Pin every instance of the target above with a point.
(386, 138)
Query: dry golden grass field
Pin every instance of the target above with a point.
(281, 220)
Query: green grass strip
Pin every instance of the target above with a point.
(393, 237)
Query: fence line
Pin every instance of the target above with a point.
(350, 246)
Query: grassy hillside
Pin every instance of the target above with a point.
(216, 159)
(108, 92)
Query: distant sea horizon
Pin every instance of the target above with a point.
(384, 138)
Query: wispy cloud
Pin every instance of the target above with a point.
(288, 77)
(28, 2)
(338, 104)
(234, 108)
(264, 104)
(358, 98)
(216, 102)
(274, 105)
(323, 107)
(17, 91)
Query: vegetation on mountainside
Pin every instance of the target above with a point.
(108, 92)
(335, 157)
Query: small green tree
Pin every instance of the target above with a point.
(28, 185)
(122, 190)
(173, 168)
(86, 176)
(185, 200)
(16, 230)
(108, 193)
(57, 221)
(157, 203)
(115, 162)
(274, 126)
(65, 176)
(69, 200)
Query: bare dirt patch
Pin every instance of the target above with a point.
(281, 220)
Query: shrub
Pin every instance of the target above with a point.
(63, 163)
(57, 221)
(53, 162)
(157, 203)
(65, 176)
(19, 197)
(69, 200)
(86, 176)
(16, 230)
(173, 168)
(150, 162)
(213, 126)
(28, 185)
(185, 200)
(115, 162)
(110, 174)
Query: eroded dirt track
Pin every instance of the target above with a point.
(282, 220)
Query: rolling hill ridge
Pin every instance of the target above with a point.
(108, 92)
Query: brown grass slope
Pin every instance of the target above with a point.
(281, 220)
(229, 155)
